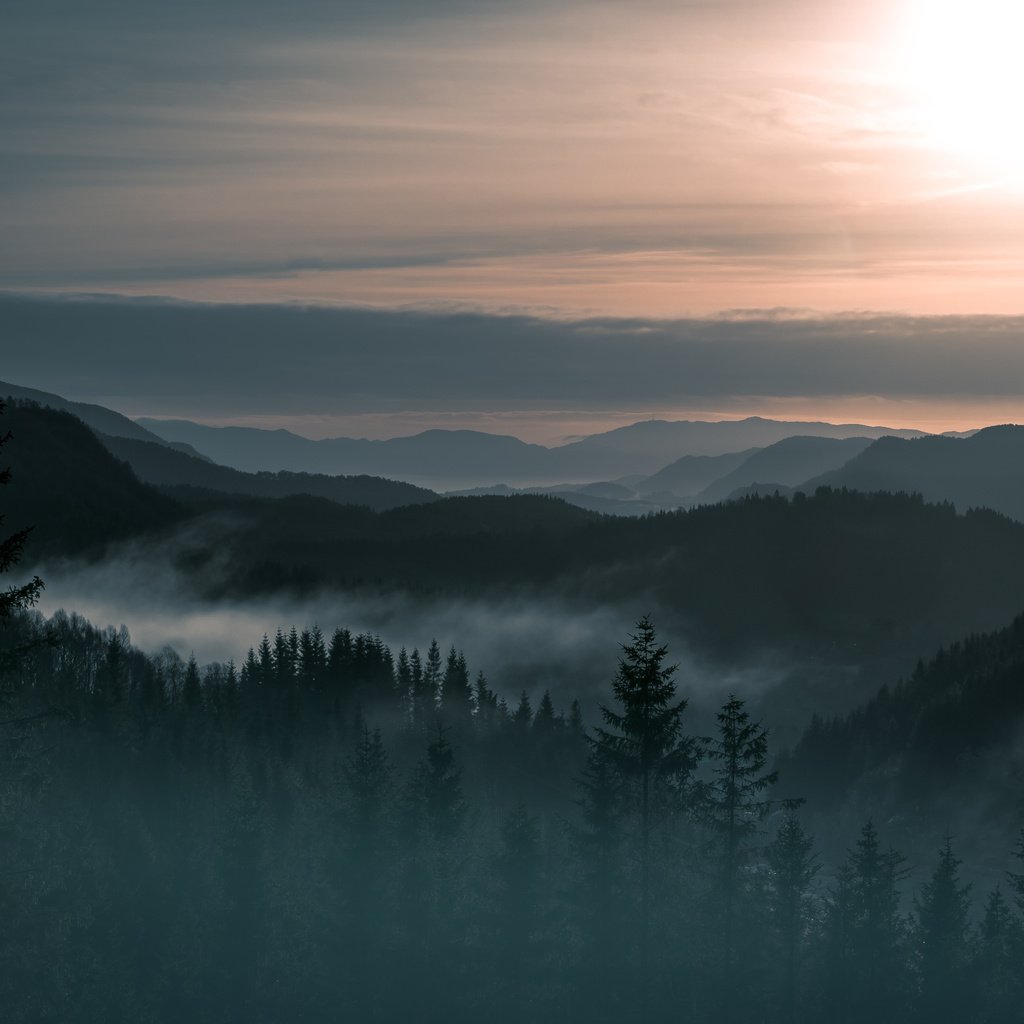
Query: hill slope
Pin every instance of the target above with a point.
(787, 462)
(70, 489)
(452, 459)
(985, 470)
(164, 467)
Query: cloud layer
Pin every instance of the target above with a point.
(641, 159)
(254, 363)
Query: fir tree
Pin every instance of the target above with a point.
(941, 940)
(735, 811)
(792, 868)
(17, 597)
(643, 744)
(432, 678)
(191, 689)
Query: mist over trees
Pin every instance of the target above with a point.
(333, 827)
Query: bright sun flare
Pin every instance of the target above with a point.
(962, 62)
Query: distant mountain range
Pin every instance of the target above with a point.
(174, 470)
(98, 417)
(985, 470)
(608, 473)
(854, 579)
(458, 459)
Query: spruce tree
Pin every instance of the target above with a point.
(735, 811)
(17, 597)
(941, 941)
(432, 678)
(869, 969)
(643, 745)
(997, 981)
(792, 868)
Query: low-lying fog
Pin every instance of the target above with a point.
(520, 642)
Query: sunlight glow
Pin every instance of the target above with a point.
(962, 65)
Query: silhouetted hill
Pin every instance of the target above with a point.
(650, 445)
(841, 576)
(689, 475)
(66, 485)
(864, 580)
(983, 470)
(945, 743)
(434, 455)
(96, 417)
(454, 459)
(164, 467)
(787, 462)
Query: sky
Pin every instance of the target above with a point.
(559, 162)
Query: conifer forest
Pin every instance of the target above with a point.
(334, 829)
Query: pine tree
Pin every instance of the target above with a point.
(545, 722)
(423, 710)
(456, 694)
(735, 811)
(266, 660)
(517, 873)
(362, 873)
(941, 941)
(643, 744)
(792, 868)
(432, 678)
(192, 690)
(997, 981)
(17, 597)
(486, 702)
(403, 686)
(869, 934)
(523, 714)
(440, 785)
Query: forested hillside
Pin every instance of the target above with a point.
(334, 824)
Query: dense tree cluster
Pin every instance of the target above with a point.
(335, 830)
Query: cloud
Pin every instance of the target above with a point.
(165, 357)
(665, 158)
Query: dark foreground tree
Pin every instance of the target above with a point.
(941, 941)
(735, 811)
(645, 756)
(18, 596)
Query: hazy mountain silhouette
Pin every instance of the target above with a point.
(691, 474)
(454, 459)
(164, 467)
(96, 417)
(944, 742)
(786, 463)
(865, 580)
(73, 492)
(983, 470)
(606, 497)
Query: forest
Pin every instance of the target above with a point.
(335, 828)
(331, 828)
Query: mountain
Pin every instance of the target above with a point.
(943, 743)
(164, 467)
(606, 497)
(787, 462)
(691, 474)
(863, 581)
(102, 420)
(449, 458)
(75, 495)
(457, 459)
(649, 445)
(983, 470)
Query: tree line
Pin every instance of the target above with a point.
(333, 829)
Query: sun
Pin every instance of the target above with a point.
(960, 62)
